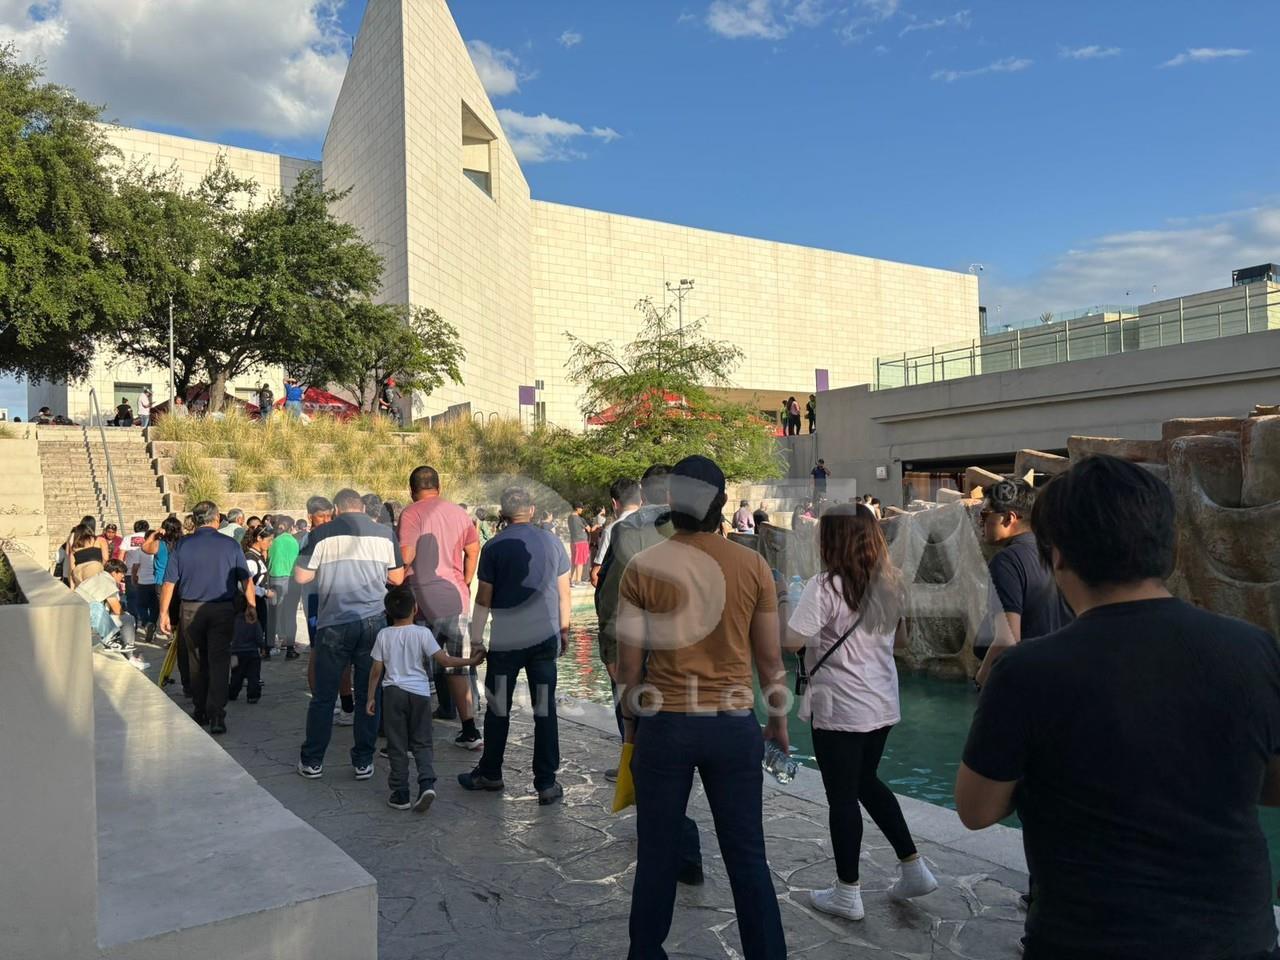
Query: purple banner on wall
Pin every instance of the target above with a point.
(528, 397)
(822, 380)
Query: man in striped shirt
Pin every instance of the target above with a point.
(350, 560)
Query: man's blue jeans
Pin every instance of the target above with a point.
(504, 666)
(336, 646)
(726, 750)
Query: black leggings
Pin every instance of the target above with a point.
(848, 762)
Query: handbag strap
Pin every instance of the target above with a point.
(837, 645)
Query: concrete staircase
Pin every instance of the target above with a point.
(74, 463)
(23, 526)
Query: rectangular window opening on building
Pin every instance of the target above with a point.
(477, 151)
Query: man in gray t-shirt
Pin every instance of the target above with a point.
(350, 560)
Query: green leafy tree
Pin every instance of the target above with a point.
(415, 345)
(654, 399)
(61, 290)
(249, 283)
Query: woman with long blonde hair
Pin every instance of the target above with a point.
(849, 620)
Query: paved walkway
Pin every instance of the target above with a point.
(497, 875)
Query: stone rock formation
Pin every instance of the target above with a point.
(1225, 476)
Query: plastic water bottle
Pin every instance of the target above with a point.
(778, 763)
(795, 590)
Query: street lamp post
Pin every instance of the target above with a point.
(171, 387)
(681, 290)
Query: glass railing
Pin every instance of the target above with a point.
(1162, 324)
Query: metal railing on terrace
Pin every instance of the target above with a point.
(1162, 324)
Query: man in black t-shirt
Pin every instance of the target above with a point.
(1135, 743)
(1024, 602)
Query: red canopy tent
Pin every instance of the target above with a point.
(316, 401)
(673, 402)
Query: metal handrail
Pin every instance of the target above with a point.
(1059, 342)
(106, 454)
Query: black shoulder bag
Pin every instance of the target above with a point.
(803, 676)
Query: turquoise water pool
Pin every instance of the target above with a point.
(923, 751)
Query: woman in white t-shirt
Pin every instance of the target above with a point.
(849, 620)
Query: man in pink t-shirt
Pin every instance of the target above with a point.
(441, 547)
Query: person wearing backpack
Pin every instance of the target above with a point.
(848, 622)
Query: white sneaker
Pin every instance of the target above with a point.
(343, 719)
(311, 771)
(914, 880)
(839, 901)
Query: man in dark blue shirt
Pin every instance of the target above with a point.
(209, 573)
(523, 580)
(1025, 602)
(1135, 743)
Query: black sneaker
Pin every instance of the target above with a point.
(469, 741)
(233, 697)
(425, 799)
(291, 654)
(399, 800)
(611, 774)
(691, 875)
(218, 727)
(253, 699)
(382, 752)
(550, 795)
(200, 718)
(475, 780)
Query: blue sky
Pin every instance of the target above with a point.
(1076, 151)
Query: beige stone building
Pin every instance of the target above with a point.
(436, 186)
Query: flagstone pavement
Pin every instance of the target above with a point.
(496, 875)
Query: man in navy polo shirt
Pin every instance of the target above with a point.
(209, 572)
(351, 560)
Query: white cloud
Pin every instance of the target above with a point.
(570, 38)
(736, 19)
(866, 15)
(496, 68)
(1006, 65)
(1091, 52)
(1204, 55)
(961, 18)
(542, 138)
(765, 19)
(207, 66)
(1180, 257)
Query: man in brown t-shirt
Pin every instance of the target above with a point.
(696, 612)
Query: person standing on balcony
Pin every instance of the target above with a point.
(793, 417)
(207, 571)
(811, 412)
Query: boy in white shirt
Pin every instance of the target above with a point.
(400, 655)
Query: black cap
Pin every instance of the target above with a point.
(693, 483)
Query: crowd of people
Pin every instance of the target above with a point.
(1133, 734)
